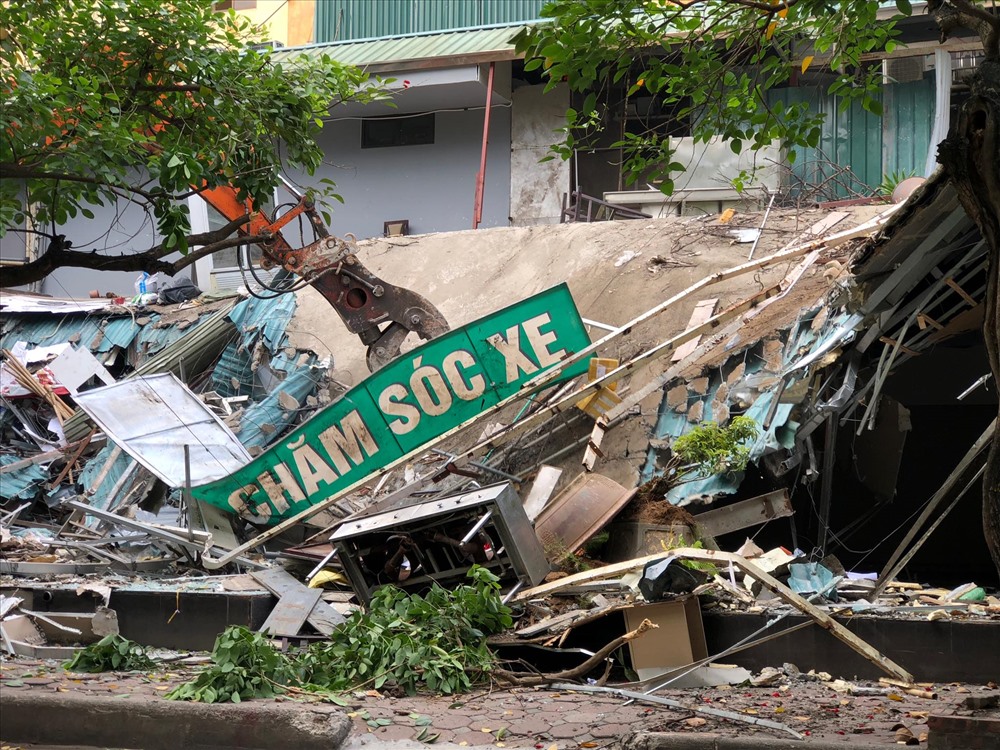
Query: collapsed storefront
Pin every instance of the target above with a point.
(853, 362)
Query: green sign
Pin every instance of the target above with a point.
(411, 401)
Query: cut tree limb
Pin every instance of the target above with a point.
(579, 671)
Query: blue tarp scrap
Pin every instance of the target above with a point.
(807, 579)
(24, 483)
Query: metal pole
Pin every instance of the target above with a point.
(762, 223)
(322, 564)
(826, 481)
(477, 210)
(479, 524)
(186, 494)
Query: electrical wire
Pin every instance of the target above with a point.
(477, 108)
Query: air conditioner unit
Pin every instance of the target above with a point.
(273, 44)
(903, 69)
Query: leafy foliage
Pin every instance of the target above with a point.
(711, 62)
(407, 640)
(111, 653)
(151, 102)
(437, 640)
(891, 179)
(245, 665)
(712, 449)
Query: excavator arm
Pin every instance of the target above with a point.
(380, 314)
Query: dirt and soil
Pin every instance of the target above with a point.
(615, 271)
(648, 506)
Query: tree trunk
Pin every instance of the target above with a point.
(970, 156)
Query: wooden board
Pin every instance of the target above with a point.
(702, 312)
(297, 604)
(291, 612)
(541, 490)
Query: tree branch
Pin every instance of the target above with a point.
(150, 260)
(579, 671)
(962, 14)
(23, 172)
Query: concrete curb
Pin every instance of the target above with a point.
(688, 741)
(152, 723)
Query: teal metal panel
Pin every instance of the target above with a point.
(495, 40)
(23, 484)
(909, 117)
(510, 11)
(345, 20)
(848, 159)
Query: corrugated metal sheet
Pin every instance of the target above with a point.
(24, 484)
(851, 139)
(263, 319)
(299, 385)
(99, 333)
(909, 118)
(416, 47)
(343, 20)
(233, 373)
(49, 329)
(759, 376)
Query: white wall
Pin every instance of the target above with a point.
(432, 185)
(536, 189)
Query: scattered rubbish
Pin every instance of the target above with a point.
(625, 257)
(668, 577)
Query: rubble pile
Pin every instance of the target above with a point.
(236, 492)
(230, 349)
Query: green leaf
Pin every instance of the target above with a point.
(904, 7)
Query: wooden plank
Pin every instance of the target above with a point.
(291, 612)
(606, 571)
(541, 490)
(39, 458)
(702, 312)
(543, 626)
(790, 597)
(961, 292)
(593, 451)
(283, 584)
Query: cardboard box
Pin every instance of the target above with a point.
(678, 641)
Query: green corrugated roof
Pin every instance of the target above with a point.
(479, 45)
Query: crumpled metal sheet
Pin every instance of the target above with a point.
(273, 413)
(22, 484)
(264, 320)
